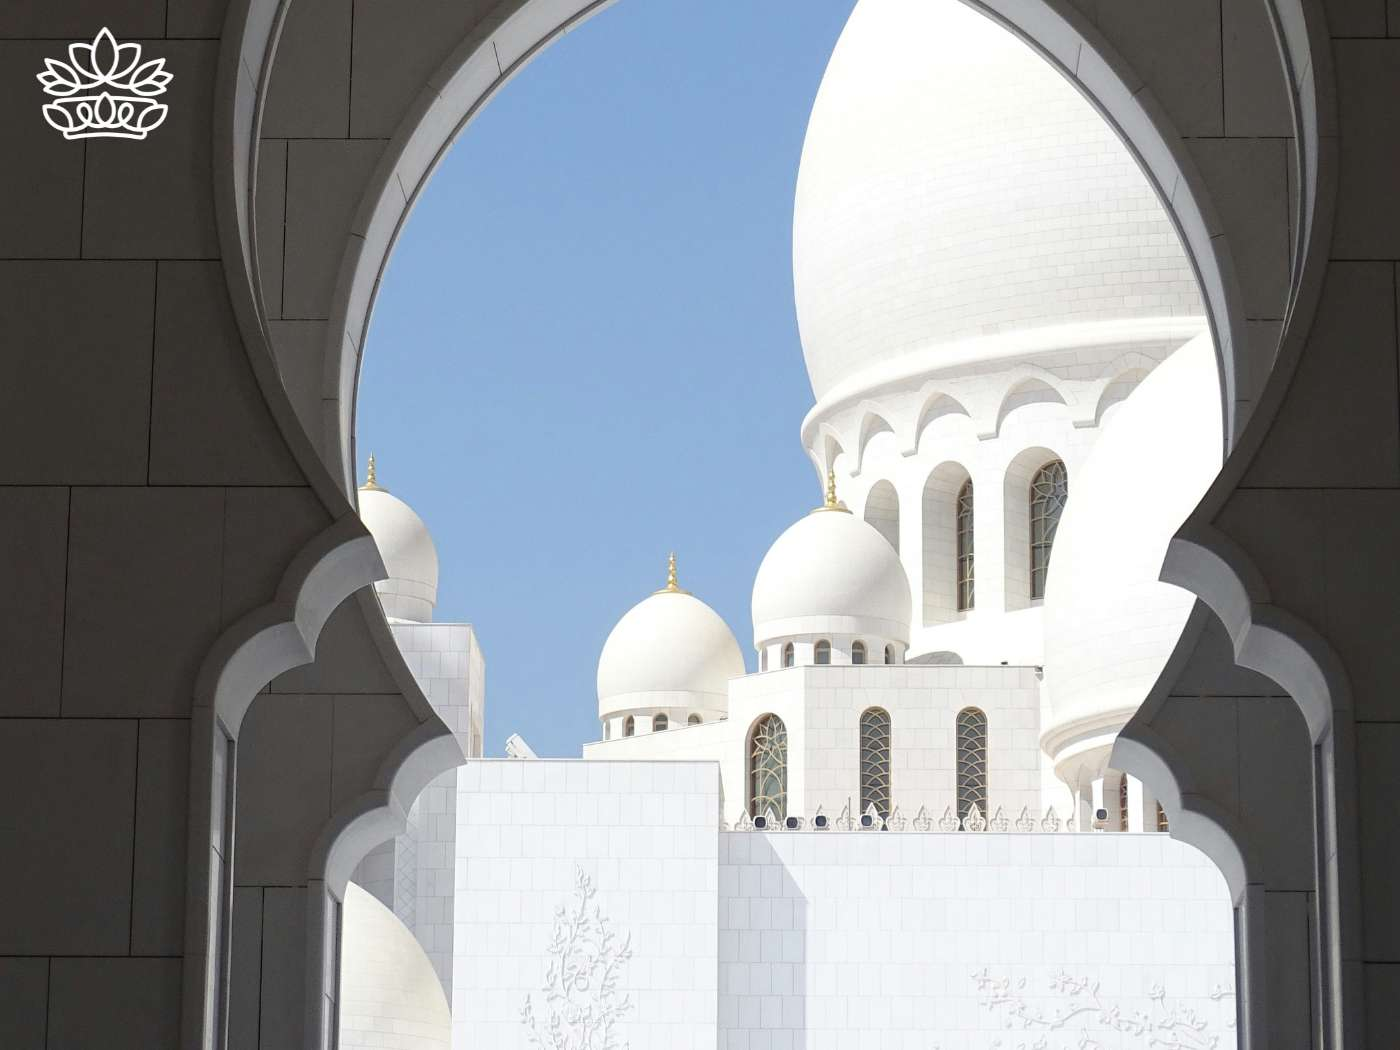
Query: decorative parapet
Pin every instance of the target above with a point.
(974, 821)
(845, 822)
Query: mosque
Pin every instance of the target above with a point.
(994, 311)
(1003, 337)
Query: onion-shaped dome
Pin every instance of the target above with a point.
(1110, 624)
(408, 551)
(670, 650)
(831, 573)
(955, 186)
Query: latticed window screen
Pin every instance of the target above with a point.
(972, 761)
(964, 529)
(1123, 802)
(768, 767)
(875, 761)
(1049, 490)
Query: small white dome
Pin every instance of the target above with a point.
(390, 995)
(408, 551)
(1110, 624)
(669, 651)
(953, 186)
(831, 573)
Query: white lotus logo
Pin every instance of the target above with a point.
(104, 90)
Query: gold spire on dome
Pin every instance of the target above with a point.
(371, 481)
(672, 587)
(832, 503)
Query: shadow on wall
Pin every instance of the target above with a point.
(763, 926)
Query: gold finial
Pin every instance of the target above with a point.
(371, 482)
(672, 587)
(832, 503)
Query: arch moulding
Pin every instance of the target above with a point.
(500, 44)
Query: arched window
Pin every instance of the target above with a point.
(963, 526)
(857, 652)
(1049, 490)
(694, 720)
(875, 761)
(1162, 824)
(1123, 802)
(821, 653)
(629, 726)
(972, 761)
(660, 723)
(789, 655)
(889, 654)
(768, 767)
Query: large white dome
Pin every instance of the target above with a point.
(669, 651)
(408, 551)
(1110, 624)
(831, 573)
(953, 186)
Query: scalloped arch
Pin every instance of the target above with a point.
(935, 404)
(872, 422)
(515, 30)
(1029, 384)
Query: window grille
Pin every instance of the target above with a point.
(875, 761)
(1049, 491)
(768, 767)
(965, 547)
(971, 761)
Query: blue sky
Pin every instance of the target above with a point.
(585, 353)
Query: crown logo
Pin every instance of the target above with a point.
(104, 90)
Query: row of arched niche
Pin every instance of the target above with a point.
(821, 654)
(1036, 490)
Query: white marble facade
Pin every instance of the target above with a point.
(821, 705)
(819, 939)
